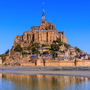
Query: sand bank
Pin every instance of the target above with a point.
(44, 71)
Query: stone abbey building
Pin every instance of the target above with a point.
(43, 34)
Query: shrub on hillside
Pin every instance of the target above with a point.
(35, 45)
(24, 53)
(77, 49)
(29, 48)
(7, 51)
(37, 52)
(43, 45)
(33, 49)
(24, 41)
(4, 57)
(55, 47)
(61, 51)
(58, 41)
(18, 48)
(66, 45)
(54, 54)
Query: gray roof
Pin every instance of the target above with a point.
(46, 55)
(60, 32)
(71, 49)
(34, 55)
(42, 48)
(44, 31)
(35, 27)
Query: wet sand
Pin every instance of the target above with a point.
(46, 71)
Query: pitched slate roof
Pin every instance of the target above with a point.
(35, 27)
(44, 31)
(60, 32)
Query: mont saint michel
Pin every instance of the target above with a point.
(44, 45)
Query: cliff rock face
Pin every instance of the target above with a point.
(43, 34)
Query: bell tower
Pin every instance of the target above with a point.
(43, 20)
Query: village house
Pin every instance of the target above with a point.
(42, 50)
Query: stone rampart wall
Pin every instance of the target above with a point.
(27, 64)
(78, 62)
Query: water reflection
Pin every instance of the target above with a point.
(42, 82)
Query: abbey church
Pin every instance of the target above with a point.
(46, 33)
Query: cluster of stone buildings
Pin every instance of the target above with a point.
(62, 59)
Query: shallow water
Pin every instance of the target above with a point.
(43, 82)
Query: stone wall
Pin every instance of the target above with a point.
(50, 63)
(80, 62)
(59, 63)
(27, 64)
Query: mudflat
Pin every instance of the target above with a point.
(47, 70)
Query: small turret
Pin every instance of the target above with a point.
(43, 15)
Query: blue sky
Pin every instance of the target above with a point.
(72, 16)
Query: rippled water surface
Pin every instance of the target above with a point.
(43, 82)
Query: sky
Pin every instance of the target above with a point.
(72, 16)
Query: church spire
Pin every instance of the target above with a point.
(43, 15)
(43, 10)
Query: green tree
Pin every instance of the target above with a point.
(7, 51)
(61, 51)
(77, 49)
(43, 45)
(24, 53)
(29, 48)
(24, 41)
(58, 40)
(54, 54)
(18, 48)
(55, 47)
(35, 45)
(54, 41)
(32, 41)
(37, 52)
(33, 49)
(3, 57)
(66, 45)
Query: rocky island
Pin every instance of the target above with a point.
(44, 45)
